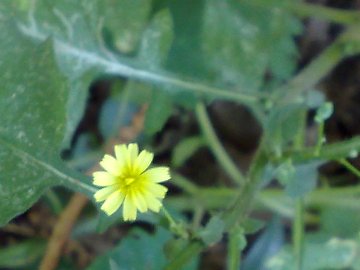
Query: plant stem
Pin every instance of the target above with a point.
(345, 45)
(234, 247)
(349, 166)
(239, 209)
(298, 233)
(310, 75)
(168, 217)
(328, 152)
(216, 147)
(303, 9)
(184, 183)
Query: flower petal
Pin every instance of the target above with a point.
(156, 190)
(113, 202)
(120, 153)
(157, 175)
(139, 201)
(152, 203)
(103, 179)
(143, 161)
(103, 193)
(111, 165)
(132, 153)
(129, 209)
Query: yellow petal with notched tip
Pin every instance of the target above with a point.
(157, 175)
(121, 153)
(152, 203)
(132, 153)
(139, 201)
(103, 179)
(143, 161)
(157, 190)
(129, 209)
(112, 203)
(103, 193)
(111, 165)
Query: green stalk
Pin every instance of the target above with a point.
(304, 10)
(239, 209)
(298, 233)
(347, 44)
(216, 147)
(349, 166)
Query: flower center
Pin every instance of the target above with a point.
(129, 180)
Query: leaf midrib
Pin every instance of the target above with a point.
(113, 66)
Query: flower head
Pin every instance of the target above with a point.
(128, 181)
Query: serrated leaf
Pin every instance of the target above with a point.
(32, 118)
(137, 250)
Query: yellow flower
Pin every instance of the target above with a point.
(128, 181)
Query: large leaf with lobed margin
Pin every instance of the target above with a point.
(33, 98)
(78, 29)
(93, 37)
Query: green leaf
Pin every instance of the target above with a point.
(242, 40)
(137, 250)
(173, 248)
(340, 221)
(213, 231)
(265, 246)
(77, 27)
(157, 39)
(252, 225)
(324, 112)
(22, 254)
(33, 119)
(185, 149)
(160, 109)
(332, 254)
(304, 180)
(154, 49)
(125, 21)
(282, 126)
(285, 172)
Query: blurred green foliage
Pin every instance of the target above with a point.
(176, 56)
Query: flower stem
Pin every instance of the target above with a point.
(175, 227)
(216, 147)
